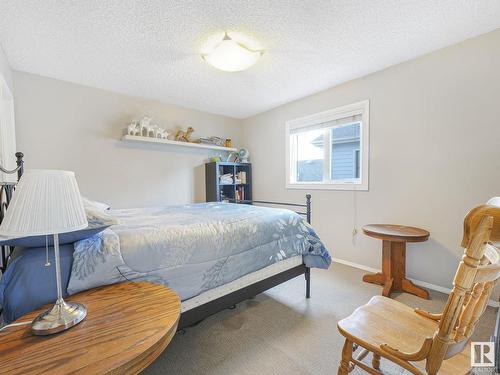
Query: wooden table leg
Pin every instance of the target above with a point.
(388, 287)
(411, 288)
(393, 275)
(393, 269)
(394, 263)
(374, 278)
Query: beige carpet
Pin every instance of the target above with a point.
(280, 332)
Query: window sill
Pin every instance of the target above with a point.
(322, 186)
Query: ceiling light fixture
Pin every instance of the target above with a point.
(230, 55)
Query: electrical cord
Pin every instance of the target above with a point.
(354, 217)
(15, 325)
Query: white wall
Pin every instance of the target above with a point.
(435, 153)
(5, 70)
(62, 125)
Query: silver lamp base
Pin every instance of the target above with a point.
(60, 317)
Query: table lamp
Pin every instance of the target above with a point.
(48, 202)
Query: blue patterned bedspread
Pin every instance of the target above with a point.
(193, 248)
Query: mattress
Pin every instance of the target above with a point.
(240, 283)
(193, 248)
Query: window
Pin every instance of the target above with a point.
(329, 150)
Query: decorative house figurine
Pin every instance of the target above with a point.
(161, 133)
(183, 136)
(150, 130)
(144, 128)
(144, 123)
(154, 131)
(132, 128)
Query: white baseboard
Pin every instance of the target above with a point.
(424, 284)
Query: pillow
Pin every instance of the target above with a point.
(27, 285)
(95, 204)
(99, 218)
(98, 221)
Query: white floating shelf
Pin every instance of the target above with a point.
(136, 138)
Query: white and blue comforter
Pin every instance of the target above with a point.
(193, 248)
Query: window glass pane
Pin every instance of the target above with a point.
(345, 154)
(309, 155)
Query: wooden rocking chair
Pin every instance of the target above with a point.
(417, 340)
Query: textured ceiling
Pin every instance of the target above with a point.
(150, 48)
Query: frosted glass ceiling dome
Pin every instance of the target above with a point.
(231, 53)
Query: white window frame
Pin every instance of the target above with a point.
(360, 108)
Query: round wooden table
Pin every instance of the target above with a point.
(393, 275)
(127, 326)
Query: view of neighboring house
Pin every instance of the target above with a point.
(345, 155)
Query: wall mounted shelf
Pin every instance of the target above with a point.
(136, 138)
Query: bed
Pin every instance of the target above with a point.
(213, 254)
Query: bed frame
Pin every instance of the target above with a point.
(197, 314)
(5, 197)
(201, 312)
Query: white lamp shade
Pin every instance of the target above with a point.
(7, 134)
(44, 202)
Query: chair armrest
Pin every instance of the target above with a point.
(426, 314)
(415, 356)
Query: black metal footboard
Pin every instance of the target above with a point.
(201, 312)
(306, 213)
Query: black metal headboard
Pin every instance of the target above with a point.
(5, 197)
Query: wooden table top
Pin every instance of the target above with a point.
(396, 233)
(127, 326)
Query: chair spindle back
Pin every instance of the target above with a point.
(473, 284)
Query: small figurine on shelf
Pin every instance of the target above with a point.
(183, 136)
(243, 155)
(154, 131)
(229, 142)
(132, 128)
(161, 133)
(144, 128)
(144, 124)
(150, 130)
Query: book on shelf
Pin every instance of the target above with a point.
(216, 141)
(240, 193)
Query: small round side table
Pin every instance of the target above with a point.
(393, 275)
(127, 327)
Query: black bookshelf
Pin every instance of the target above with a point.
(217, 190)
